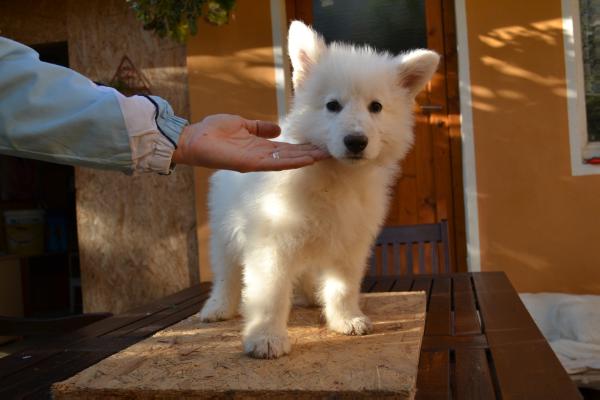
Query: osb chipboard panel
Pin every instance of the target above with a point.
(195, 360)
(137, 234)
(34, 21)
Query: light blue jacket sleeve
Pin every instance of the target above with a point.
(54, 114)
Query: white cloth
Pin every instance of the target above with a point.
(571, 323)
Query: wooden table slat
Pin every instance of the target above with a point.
(24, 386)
(492, 282)
(525, 365)
(531, 371)
(439, 316)
(116, 344)
(500, 306)
(436, 343)
(28, 358)
(18, 364)
(402, 285)
(105, 326)
(473, 377)
(466, 321)
(524, 335)
(433, 378)
(168, 321)
(383, 285)
(367, 284)
(157, 317)
(462, 283)
(422, 283)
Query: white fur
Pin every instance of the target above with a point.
(314, 227)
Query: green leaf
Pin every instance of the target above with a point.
(176, 19)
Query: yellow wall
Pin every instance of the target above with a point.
(537, 222)
(230, 70)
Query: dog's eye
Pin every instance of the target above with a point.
(375, 107)
(334, 106)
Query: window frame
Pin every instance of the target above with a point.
(581, 147)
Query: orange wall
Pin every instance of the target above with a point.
(537, 222)
(230, 70)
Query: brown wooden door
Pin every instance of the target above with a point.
(430, 188)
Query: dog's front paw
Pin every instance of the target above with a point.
(355, 326)
(266, 346)
(216, 310)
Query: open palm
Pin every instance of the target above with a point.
(232, 142)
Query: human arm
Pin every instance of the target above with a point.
(52, 113)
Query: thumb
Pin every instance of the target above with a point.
(263, 129)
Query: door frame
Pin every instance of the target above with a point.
(448, 119)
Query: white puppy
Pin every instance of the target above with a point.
(314, 227)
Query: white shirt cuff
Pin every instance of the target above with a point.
(150, 150)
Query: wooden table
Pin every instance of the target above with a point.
(479, 343)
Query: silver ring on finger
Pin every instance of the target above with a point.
(275, 155)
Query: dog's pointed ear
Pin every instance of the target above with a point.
(416, 68)
(304, 47)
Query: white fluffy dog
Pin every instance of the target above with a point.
(314, 227)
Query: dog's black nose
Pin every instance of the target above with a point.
(356, 142)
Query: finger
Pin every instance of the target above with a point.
(314, 151)
(272, 164)
(307, 149)
(265, 129)
(315, 154)
(319, 155)
(303, 146)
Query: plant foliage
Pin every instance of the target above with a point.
(176, 19)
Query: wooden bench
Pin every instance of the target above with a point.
(479, 343)
(405, 250)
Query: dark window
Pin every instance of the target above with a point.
(392, 25)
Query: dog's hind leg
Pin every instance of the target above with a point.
(305, 290)
(225, 296)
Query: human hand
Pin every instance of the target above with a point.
(231, 142)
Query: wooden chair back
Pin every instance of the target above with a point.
(411, 249)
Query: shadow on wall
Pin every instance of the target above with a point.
(509, 55)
